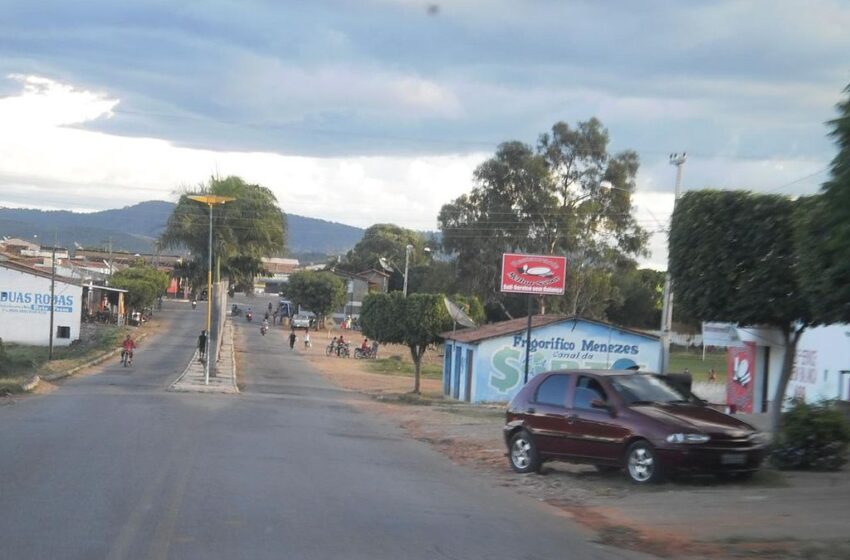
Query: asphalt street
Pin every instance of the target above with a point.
(113, 466)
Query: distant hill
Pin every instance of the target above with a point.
(135, 228)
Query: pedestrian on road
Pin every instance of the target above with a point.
(292, 338)
(202, 345)
(306, 340)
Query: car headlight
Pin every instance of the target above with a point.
(760, 438)
(688, 438)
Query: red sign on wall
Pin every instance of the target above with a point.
(741, 364)
(533, 274)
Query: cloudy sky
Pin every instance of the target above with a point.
(379, 110)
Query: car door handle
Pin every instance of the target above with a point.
(572, 418)
(530, 410)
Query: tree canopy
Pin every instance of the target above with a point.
(550, 199)
(415, 321)
(733, 258)
(318, 291)
(385, 244)
(244, 231)
(143, 284)
(824, 233)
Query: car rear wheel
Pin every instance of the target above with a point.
(523, 453)
(642, 465)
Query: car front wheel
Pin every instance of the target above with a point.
(523, 453)
(642, 465)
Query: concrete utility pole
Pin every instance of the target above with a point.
(52, 298)
(667, 306)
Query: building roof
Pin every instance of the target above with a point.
(19, 267)
(512, 326)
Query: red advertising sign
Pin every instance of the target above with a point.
(533, 274)
(741, 362)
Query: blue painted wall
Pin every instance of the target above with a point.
(499, 363)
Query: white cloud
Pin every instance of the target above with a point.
(92, 170)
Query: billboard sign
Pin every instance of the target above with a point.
(720, 334)
(533, 274)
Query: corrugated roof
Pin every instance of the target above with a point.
(12, 265)
(512, 326)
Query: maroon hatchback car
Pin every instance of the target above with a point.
(626, 420)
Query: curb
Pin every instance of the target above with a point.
(90, 363)
(233, 357)
(33, 382)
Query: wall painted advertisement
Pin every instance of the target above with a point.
(567, 345)
(741, 366)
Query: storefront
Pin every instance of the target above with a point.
(25, 304)
(487, 364)
(821, 367)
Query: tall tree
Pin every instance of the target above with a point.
(244, 230)
(551, 200)
(319, 291)
(637, 302)
(415, 321)
(824, 233)
(733, 258)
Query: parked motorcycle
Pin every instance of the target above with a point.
(344, 350)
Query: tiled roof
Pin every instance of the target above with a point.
(502, 328)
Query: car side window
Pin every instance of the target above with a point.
(588, 389)
(553, 390)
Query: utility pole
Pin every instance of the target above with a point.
(52, 298)
(667, 306)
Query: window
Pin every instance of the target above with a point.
(553, 391)
(63, 332)
(588, 390)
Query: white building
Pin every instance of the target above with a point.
(25, 306)
(821, 366)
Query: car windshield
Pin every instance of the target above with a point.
(636, 389)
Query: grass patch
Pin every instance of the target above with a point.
(692, 359)
(19, 361)
(394, 365)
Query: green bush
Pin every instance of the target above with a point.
(812, 436)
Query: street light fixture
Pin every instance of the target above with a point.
(210, 200)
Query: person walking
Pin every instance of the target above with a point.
(712, 375)
(306, 340)
(292, 338)
(202, 345)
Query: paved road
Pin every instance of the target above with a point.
(111, 466)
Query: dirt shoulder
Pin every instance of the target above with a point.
(775, 515)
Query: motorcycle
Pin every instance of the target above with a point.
(126, 358)
(263, 330)
(361, 354)
(344, 350)
(249, 316)
(194, 304)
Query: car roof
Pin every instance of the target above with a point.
(600, 372)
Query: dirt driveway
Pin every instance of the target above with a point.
(775, 515)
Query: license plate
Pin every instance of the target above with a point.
(733, 458)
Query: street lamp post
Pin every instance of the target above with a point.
(407, 250)
(210, 200)
(667, 304)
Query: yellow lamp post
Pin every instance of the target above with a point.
(210, 200)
